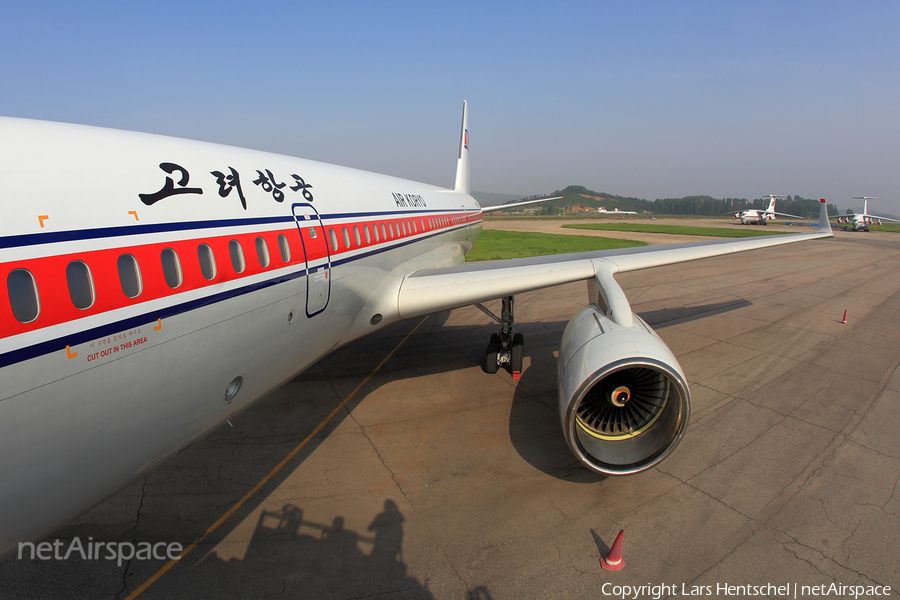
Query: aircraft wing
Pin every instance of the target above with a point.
(867, 216)
(487, 209)
(433, 290)
(781, 214)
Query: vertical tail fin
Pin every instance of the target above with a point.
(462, 163)
(824, 225)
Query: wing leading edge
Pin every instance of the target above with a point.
(433, 290)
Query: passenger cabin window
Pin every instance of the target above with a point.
(237, 256)
(262, 252)
(356, 235)
(171, 268)
(129, 275)
(284, 247)
(346, 237)
(368, 235)
(207, 262)
(23, 295)
(383, 232)
(81, 287)
(333, 236)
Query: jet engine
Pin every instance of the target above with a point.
(623, 398)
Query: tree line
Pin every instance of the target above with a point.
(577, 195)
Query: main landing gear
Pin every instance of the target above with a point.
(505, 348)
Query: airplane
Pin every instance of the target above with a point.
(157, 286)
(602, 210)
(761, 217)
(861, 221)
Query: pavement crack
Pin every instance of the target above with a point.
(137, 521)
(740, 543)
(381, 459)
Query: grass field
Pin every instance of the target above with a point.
(495, 245)
(884, 227)
(679, 229)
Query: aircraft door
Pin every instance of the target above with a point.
(317, 256)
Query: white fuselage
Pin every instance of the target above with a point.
(602, 210)
(754, 217)
(859, 222)
(101, 386)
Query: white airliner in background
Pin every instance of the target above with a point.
(155, 286)
(861, 221)
(602, 210)
(762, 217)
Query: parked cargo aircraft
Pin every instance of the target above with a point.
(155, 286)
(861, 221)
(762, 217)
(602, 210)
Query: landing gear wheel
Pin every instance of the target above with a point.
(517, 355)
(506, 349)
(491, 364)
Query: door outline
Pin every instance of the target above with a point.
(315, 285)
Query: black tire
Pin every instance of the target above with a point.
(495, 339)
(490, 365)
(517, 354)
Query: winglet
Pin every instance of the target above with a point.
(824, 224)
(462, 163)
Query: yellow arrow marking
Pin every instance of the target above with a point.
(158, 326)
(42, 218)
(134, 212)
(70, 354)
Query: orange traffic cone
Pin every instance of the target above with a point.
(844, 320)
(614, 561)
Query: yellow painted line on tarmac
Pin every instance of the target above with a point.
(143, 587)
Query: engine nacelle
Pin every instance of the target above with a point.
(623, 398)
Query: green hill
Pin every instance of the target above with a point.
(579, 199)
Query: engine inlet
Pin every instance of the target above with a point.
(624, 404)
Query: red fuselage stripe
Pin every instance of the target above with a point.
(56, 306)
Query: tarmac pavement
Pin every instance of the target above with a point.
(436, 480)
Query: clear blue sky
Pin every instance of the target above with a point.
(650, 99)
